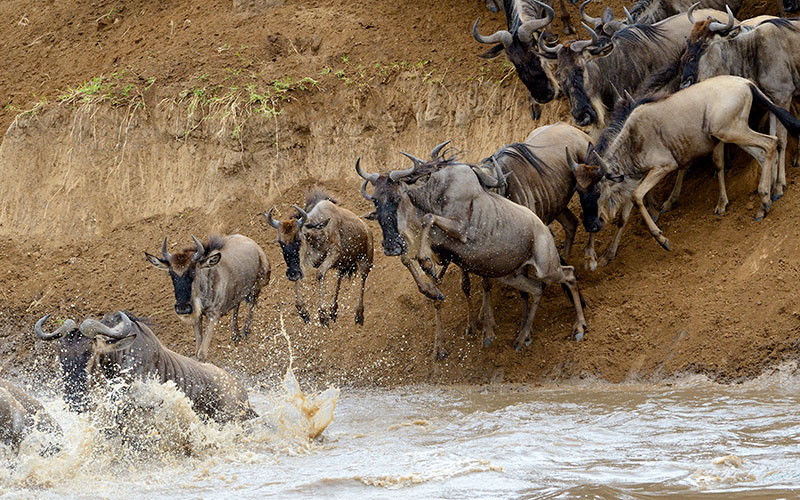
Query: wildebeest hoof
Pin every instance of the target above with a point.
(777, 196)
(488, 341)
(666, 207)
(441, 354)
(323, 319)
(720, 209)
(664, 243)
(306, 317)
(360, 318)
(536, 111)
(579, 331)
(528, 341)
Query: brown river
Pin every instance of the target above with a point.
(686, 438)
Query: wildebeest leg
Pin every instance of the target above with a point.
(198, 333)
(761, 147)
(250, 300)
(360, 306)
(321, 272)
(611, 251)
(423, 281)
(202, 352)
(472, 320)
(439, 352)
(672, 200)
(526, 298)
(235, 323)
(589, 255)
(298, 303)
(451, 227)
(534, 288)
(719, 164)
(779, 173)
(335, 307)
(652, 178)
(570, 224)
(567, 25)
(568, 279)
(486, 311)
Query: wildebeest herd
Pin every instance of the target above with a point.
(659, 87)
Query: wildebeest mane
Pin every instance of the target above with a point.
(639, 7)
(184, 257)
(111, 319)
(640, 33)
(666, 78)
(315, 196)
(782, 22)
(520, 11)
(618, 119)
(519, 151)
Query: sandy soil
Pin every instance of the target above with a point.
(391, 76)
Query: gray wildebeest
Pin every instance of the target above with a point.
(324, 236)
(480, 231)
(21, 414)
(524, 20)
(764, 51)
(661, 136)
(210, 280)
(594, 73)
(652, 11)
(124, 346)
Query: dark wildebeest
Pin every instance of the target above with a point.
(593, 73)
(766, 51)
(662, 136)
(519, 42)
(211, 279)
(21, 414)
(652, 11)
(123, 346)
(324, 236)
(480, 231)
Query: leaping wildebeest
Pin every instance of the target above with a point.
(21, 414)
(480, 231)
(664, 135)
(124, 346)
(210, 280)
(324, 236)
(766, 52)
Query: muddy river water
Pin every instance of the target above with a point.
(684, 439)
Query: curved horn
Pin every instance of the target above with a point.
(364, 192)
(200, 249)
(715, 26)
(303, 216)
(92, 327)
(629, 17)
(272, 222)
(164, 252)
(629, 97)
(438, 149)
(603, 164)
(582, 44)
(549, 50)
(68, 326)
(369, 177)
(396, 175)
(525, 32)
(501, 36)
(413, 158)
(690, 11)
(485, 179)
(572, 165)
(498, 171)
(586, 17)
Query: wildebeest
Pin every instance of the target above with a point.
(665, 135)
(519, 42)
(606, 24)
(210, 280)
(124, 346)
(20, 414)
(480, 231)
(766, 52)
(652, 11)
(593, 73)
(324, 236)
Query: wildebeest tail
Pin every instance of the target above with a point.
(566, 288)
(786, 118)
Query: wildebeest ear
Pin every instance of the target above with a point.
(608, 15)
(210, 261)
(109, 345)
(318, 225)
(159, 263)
(493, 52)
(615, 178)
(734, 32)
(371, 216)
(587, 176)
(595, 51)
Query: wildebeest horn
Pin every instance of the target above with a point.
(582, 44)
(498, 171)
(586, 17)
(364, 192)
(413, 158)
(272, 222)
(549, 50)
(369, 177)
(303, 216)
(92, 327)
(525, 32)
(396, 175)
(438, 149)
(628, 16)
(501, 36)
(629, 97)
(715, 26)
(68, 326)
(164, 252)
(603, 164)
(572, 165)
(200, 249)
(690, 11)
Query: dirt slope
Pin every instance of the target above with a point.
(177, 138)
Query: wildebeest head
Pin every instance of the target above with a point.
(702, 34)
(606, 24)
(520, 48)
(290, 238)
(588, 177)
(183, 267)
(571, 72)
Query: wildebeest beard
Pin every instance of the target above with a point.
(591, 220)
(182, 284)
(74, 353)
(580, 106)
(386, 198)
(690, 61)
(291, 254)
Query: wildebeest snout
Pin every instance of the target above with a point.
(394, 247)
(593, 225)
(294, 274)
(183, 308)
